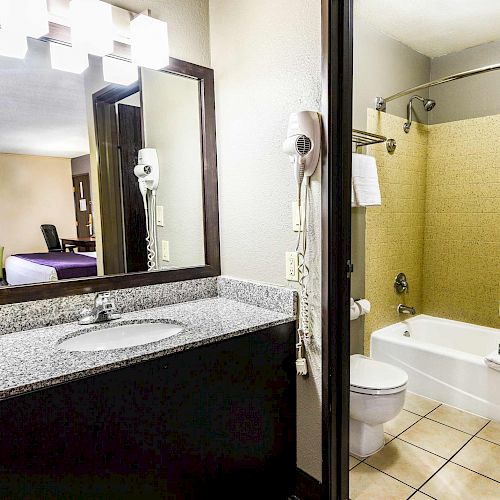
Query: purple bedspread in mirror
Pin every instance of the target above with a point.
(67, 265)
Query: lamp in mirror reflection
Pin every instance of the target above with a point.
(12, 44)
(149, 42)
(66, 58)
(16, 24)
(119, 71)
(91, 26)
(27, 18)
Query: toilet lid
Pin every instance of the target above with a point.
(369, 375)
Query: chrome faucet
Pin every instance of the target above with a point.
(104, 310)
(402, 309)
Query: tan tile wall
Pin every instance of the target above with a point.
(462, 221)
(395, 231)
(439, 221)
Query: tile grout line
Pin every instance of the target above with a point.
(392, 477)
(475, 472)
(467, 468)
(445, 464)
(454, 455)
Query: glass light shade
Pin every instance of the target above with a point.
(68, 59)
(149, 42)
(118, 71)
(13, 44)
(91, 26)
(29, 17)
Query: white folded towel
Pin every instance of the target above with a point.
(493, 359)
(365, 189)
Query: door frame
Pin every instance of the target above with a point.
(76, 198)
(337, 52)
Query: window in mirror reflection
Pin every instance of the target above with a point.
(51, 226)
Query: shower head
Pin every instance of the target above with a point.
(427, 103)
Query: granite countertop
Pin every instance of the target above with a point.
(32, 360)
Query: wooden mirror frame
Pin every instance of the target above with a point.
(78, 286)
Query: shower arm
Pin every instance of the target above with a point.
(382, 101)
(409, 112)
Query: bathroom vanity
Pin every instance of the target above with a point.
(204, 410)
(208, 412)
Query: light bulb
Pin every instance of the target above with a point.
(29, 18)
(68, 59)
(118, 71)
(149, 42)
(91, 26)
(13, 44)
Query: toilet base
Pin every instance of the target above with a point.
(364, 439)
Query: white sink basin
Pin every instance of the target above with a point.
(120, 336)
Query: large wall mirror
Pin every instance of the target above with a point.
(74, 216)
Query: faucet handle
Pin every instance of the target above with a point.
(104, 302)
(401, 283)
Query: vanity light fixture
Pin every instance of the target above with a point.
(149, 39)
(66, 58)
(119, 71)
(92, 26)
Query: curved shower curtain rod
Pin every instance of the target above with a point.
(382, 101)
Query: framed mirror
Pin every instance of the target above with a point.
(74, 217)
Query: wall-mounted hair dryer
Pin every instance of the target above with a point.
(303, 142)
(303, 147)
(147, 172)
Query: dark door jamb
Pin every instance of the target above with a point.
(336, 246)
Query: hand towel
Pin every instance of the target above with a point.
(493, 359)
(365, 190)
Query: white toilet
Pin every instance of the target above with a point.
(377, 396)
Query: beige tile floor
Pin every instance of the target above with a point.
(431, 451)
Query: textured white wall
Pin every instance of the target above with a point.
(171, 113)
(266, 58)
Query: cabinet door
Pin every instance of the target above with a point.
(217, 421)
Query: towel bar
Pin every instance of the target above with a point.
(361, 138)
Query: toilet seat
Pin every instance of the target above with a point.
(375, 377)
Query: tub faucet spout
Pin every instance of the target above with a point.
(402, 309)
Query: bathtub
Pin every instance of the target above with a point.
(444, 361)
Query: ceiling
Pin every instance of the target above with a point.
(42, 110)
(434, 27)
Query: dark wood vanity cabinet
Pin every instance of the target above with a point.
(216, 421)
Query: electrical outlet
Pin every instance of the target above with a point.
(292, 266)
(165, 251)
(159, 216)
(296, 217)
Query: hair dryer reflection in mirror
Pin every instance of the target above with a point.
(147, 172)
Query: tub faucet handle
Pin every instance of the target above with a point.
(401, 283)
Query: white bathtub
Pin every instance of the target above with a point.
(444, 361)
